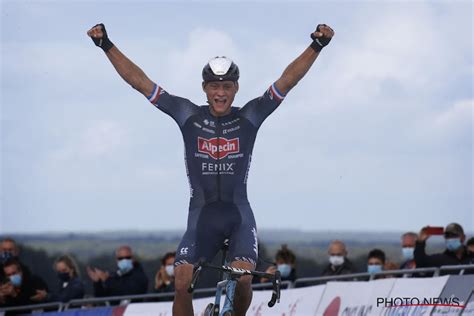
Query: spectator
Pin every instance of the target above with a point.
(164, 278)
(454, 254)
(408, 250)
(129, 279)
(390, 265)
(338, 262)
(285, 261)
(375, 261)
(20, 289)
(10, 250)
(70, 286)
(470, 250)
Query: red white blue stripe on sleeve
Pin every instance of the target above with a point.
(155, 95)
(274, 91)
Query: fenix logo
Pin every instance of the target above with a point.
(218, 148)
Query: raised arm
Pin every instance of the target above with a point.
(300, 66)
(129, 72)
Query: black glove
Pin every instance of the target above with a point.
(103, 42)
(319, 42)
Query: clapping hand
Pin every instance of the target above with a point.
(39, 296)
(97, 275)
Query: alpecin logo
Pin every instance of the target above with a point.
(218, 148)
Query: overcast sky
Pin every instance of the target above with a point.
(377, 136)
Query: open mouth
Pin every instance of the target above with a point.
(220, 101)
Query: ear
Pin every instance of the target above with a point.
(204, 86)
(236, 86)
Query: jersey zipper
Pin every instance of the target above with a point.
(218, 162)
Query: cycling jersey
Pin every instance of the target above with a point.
(218, 153)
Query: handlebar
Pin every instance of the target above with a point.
(237, 273)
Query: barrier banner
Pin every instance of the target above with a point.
(166, 308)
(353, 298)
(455, 294)
(412, 297)
(384, 287)
(145, 309)
(469, 309)
(96, 311)
(301, 301)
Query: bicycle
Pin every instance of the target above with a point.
(229, 283)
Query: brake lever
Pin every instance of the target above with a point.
(276, 291)
(197, 270)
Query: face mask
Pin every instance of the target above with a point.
(374, 268)
(16, 280)
(5, 256)
(125, 265)
(453, 244)
(285, 269)
(169, 270)
(64, 276)
(336, 260)
(408, 253)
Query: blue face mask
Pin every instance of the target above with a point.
(374, 268)
(408, 253)
(125, 265)
(285, 270)
(16, 280)
(453, 244)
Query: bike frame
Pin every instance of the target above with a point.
(229, 286)
(230, 276)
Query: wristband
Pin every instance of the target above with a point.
(319, 42)
(103, 42)
(316, 46)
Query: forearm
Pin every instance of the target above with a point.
(421, 258)
(300, 66)
(296, 70)
(130, 72)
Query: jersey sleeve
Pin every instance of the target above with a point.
(179, 109)
(258, 109)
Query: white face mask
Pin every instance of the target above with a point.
(336, 260)
(169, 269)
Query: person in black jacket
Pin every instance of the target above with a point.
(70, 285)
(338, 262)
(470, 250)
(20, 288)
(129, 279)
(164, 278)
(454, 254)
(9, 249)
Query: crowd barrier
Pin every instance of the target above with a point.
(359, 294)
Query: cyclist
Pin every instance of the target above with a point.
(218, 142)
